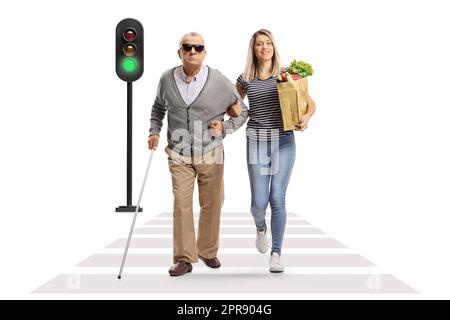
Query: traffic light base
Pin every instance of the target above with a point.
(127, 209)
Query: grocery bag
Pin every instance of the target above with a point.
(293, 101)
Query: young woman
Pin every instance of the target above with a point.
(270, 149)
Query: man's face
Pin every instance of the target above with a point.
(191, 52)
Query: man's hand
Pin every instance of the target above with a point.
(217, 126)
(153, 142)
(303, 124)
(235, 109)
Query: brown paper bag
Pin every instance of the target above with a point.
(293, 101)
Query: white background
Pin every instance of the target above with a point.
(372, 170)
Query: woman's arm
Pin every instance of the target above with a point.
(311, 106)
(235, 109)
(303, 124)
(241, 91)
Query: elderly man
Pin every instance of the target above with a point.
(196, 98)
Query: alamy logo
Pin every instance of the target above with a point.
(374, 282)
(199, 141)
(74, 282)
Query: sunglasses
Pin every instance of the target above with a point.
(188, 47)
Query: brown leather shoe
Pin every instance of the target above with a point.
(180, 268)
(212, 263)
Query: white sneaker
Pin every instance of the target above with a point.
(275, 263)
(261, 242)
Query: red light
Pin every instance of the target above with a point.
(129, 35)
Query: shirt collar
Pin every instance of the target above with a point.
(185, 77)
(195, 78)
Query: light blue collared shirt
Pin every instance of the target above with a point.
(190, 90)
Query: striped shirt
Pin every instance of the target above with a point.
(265, 120)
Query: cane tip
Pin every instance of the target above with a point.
(119, 277)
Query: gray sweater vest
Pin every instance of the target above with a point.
(187, 131)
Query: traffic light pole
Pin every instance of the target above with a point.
(129, 68)
(129, 207)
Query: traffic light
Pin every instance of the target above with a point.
(129, 68)
(129, 50)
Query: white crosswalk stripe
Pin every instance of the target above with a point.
(314, 263)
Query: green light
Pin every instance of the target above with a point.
(129, 64)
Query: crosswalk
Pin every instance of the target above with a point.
(314, 263)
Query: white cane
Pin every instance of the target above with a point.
(135, 215)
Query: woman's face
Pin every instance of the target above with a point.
(263, 48)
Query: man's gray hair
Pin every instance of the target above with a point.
(191, 34)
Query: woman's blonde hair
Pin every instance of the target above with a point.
(251, 66)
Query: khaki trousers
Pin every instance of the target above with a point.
(209, 173)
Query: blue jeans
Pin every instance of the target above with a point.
(270, 166)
